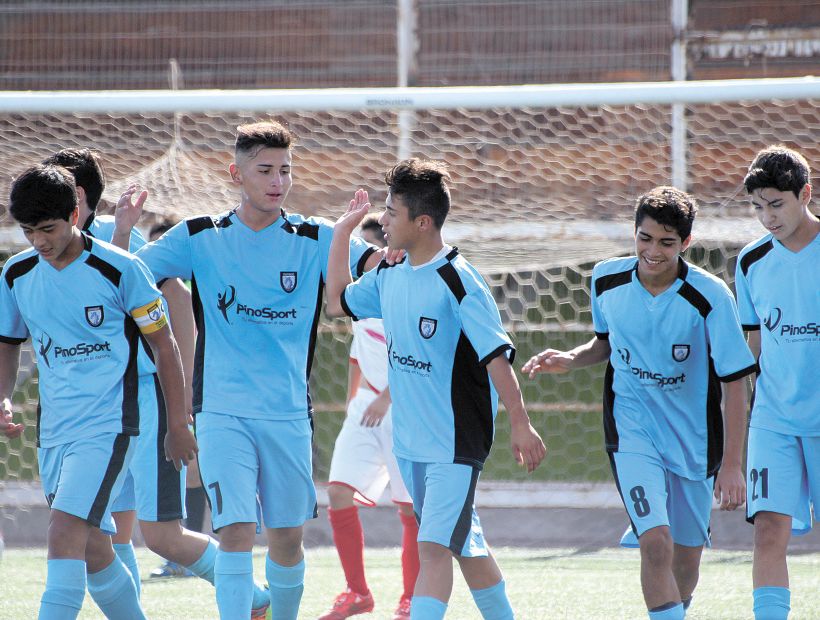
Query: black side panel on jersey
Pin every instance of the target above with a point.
(199, 352)
(169, 484)
(312, 345)
(694, 297)
(472, 406)
(610, 428)
(115, 466)
(612, 280)
(714, 422)
(130, 380)
(20, 269)
(198, 224)
(108, 270)
(752, 256)
(449, 274)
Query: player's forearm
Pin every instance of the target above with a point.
(593, 352)
(338, 272)
(506, 384)
(182, 323)
(734, 422)
(122, 239)
(9, 364)
(169, 371)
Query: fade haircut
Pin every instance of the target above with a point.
(668, 206)
(253, 137)
(41, 193)
(422, 185)
(779, 167)
(371, 223)
(86, 167)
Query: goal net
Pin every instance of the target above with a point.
(544, 184)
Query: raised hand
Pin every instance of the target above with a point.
(127, 212)
(355, 213)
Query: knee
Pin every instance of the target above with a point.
(657, 547)
(339, 496)
(237, 537)
(160, 537)
(285, 544)
(772, 532)
(432, 553)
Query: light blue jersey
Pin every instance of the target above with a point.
(102, 227)
(443, 328)
(670, 352)
(84, 336)
(780, 290)
(257, 297)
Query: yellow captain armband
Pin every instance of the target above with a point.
(150, 317)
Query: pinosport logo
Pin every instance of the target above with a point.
(73, 353)
(659, 379)
(809, 329)
(407, 361)
(227, 300)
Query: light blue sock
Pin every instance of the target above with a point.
(771, 603)
(665, 612)
(113, 590)
(65, 590)
(286, 585)
(427, 608)
(125, 552)
(493, 603)
(204, 566)
(233, 576)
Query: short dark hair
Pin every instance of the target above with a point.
(42, 193)
(668, 206)
(371, 223)
(161, 227)
(422, 185)
(253, 137)
(86, 166)
(779, 167)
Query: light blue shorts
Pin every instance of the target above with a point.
(240, 457)
(443, 500)
(81, 478)
(783, 476)
(653, 497)
(153, 487)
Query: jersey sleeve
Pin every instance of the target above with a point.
(136, 241)
(728, 349)
(360, 251)
(361, 299)
(142, 299)
(481, 323)
(748, 316)
(170, 255)
(599, 323)
(13, 329)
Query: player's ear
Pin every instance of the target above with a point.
(236, 176)
(424, 222)
(686, 243)
(805, 194)
(75, 216)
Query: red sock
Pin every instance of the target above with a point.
(409, 553)
(349, 539)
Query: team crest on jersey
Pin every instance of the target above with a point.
(427, 327)
(94, 315)
(680, 352)
(288, 280)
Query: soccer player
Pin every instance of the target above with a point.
(363, 463)
(257, 277)
(777, 284)
(84, 303)
(449, 359)
(671, 334)
(152, 487)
